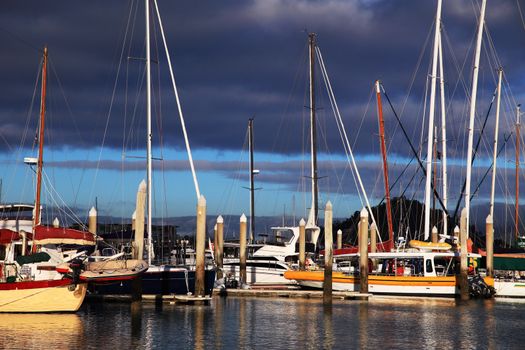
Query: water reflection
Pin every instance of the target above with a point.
(31, 331)
(267, 323)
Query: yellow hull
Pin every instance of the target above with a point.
(47, 299)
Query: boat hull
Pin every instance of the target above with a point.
(42, 296)
(509, 289)
(159, 280)
(392, 285)
(259, 275)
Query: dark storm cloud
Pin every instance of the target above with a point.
(236, 59)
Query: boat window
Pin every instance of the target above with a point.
(428, 264)
(280, 237)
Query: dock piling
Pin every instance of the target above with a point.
(339, 239)
(92, 220)
(242, 250)
(328, 254)
(138, 251)
(363, 251)
(200, 247)
(302, 244)
(489, 232)
(463, 275)
(220, 246)
(434, 234)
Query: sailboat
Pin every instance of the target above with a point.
(159, 279)
(30, 283)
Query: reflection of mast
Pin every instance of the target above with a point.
(516, 220)
(385, 166)
(36, 220)
(313, 137)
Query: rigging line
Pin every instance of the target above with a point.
(474, 153)
(398, 178)
(507, 137)
(421, 166)
(179, 107)
(110, 110)
(340, 120)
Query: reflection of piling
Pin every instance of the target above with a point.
(363, 251)
(92, 220)
(339, 239)
(328, 254)
(302, 245)
(489, 232)
(220, 246)
(242, 250)
(463, 274)
(434, 234)
(199, 247)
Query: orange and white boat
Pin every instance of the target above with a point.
(421, 273)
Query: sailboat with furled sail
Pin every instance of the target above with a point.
(159, 279)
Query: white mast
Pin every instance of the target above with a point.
(430, 136)
(495, 151)
(148, 113)
(473, 110)
(312, 217)
(443, 136)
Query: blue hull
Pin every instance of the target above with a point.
(164, 282)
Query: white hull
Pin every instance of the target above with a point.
(46, 299)
(509, 289)
(387, 289)
(259, 275)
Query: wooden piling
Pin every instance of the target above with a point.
(220, 246)
(373, 238)
(339, 239)
(363, 251)
(133, 220)
(56, 223)
(302, 244)
(434, 234)
(24, 242)
(455, 234)
(489, 232)
(242, 251)
(138, 249)
(463, 275)
(199, 247)
(328, 254)
(92, 220)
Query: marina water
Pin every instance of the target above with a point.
(271, 323)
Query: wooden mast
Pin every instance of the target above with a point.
(516, 219)
(313, 133)
(36, 220)
(385, 166)
(252, 187)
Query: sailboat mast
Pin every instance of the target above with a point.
(313, 133)
(430, 136)
(473, 110)
(495, 154)
(149, 136)
(443, 137)
(36, 220)
(516, 219)
(252, 187)
(385, 166)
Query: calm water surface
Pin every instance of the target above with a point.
(242, 323)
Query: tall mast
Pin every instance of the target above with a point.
(252, 187)
(473, 110)
(36, 220)
(149, 136)
(385, 166)
(430, 136)
(443, 137)
(495, 154)
(516, 219)
(313, 134)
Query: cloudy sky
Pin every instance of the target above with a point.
(234, 60)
